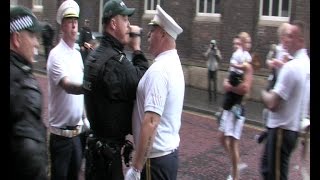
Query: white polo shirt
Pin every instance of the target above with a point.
(238, 57)
(281, 53)
(64, 109)
(161, 90)
(292, 85)
(247, 56)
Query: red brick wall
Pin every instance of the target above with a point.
(236, 16)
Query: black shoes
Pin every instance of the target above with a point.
(260, 138)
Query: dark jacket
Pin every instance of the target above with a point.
(27, 132)
(85, 36)
(25, 101)
(110, 83)
(47, 34)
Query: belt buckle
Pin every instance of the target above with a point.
(74, 132)
(64, 133)
(69, 133)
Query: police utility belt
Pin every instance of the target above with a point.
(66, 132)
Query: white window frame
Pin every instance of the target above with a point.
(207, 16)
(37, 5)
(150, 11)
(274, 20)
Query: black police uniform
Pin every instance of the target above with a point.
(110, 83)
(47, 38)
(85, 36)
(28, 133)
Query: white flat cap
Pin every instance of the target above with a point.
(165, 21)
(68, 8)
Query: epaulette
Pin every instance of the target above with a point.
(22, 66)
(122, 55)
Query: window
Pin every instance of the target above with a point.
(37, 5)
(208, 10)
(275, 10)
(150, 6)
(208, 7)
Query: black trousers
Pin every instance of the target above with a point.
(66, 157)
(47, 49)
(29, 159)
(272, 81)
(275, 160)
(164, 167)
(230, 99)
(212, 81)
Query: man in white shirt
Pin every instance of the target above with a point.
(158, 108)
(66, 104)
(286, 102)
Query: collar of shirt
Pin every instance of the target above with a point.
(108, 39)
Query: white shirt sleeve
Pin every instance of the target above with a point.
(156, 92)
(285, 82)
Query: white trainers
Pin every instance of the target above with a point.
(229, 177)
(242, 166)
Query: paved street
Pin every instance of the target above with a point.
(201, 155)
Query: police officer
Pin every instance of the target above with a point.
(84, 40)
(110, 82)
(47, 38)
(27, 131)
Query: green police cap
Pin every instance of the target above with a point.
(21, 18)
(116, 7)
(213, 41)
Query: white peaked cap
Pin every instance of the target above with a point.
(68, 8)
(166, 22)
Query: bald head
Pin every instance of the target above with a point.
(283, 29)
(295, 38)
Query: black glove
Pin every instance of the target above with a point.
(127, 150)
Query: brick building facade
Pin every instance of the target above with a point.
(236, 16)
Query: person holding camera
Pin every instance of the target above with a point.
(214, 57)
(110, 82)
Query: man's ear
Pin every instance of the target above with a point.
(113, 23)
(16, 39)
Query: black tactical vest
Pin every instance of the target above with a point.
(105, 113)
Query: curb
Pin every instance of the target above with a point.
(212, 113)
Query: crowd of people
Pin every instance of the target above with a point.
(104, 107)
